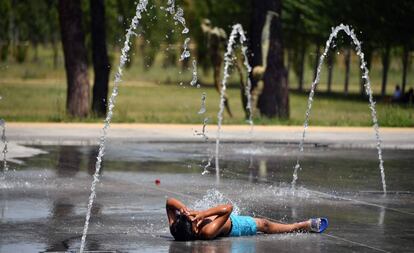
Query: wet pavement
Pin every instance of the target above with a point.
(44, 199)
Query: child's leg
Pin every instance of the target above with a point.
(269, 227)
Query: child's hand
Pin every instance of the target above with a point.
(192, 214)
(185, 211)
(197, 216)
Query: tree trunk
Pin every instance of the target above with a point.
(330, 62)
(317, 56)
(347, 69)
(4, 51)
(258, 19)
(289, 63)
(11, 26)
(101, 65)
(244, 98)
(73, 41)
(55, 50)
(274, 100)
(185, 64)
(36, 52)
(405, 58)
(302, 65)
(385, 66)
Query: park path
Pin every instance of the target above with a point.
(89, 133)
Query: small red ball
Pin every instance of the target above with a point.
(157, 181)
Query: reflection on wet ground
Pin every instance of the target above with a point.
(43, 201)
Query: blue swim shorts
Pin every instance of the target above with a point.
(242, 225)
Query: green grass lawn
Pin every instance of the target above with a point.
(36, 91)
(147, 102)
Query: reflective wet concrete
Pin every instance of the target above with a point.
(43, 201)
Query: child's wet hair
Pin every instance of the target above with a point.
(182, 229)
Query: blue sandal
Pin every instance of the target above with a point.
(318, 225)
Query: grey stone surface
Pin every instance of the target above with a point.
(16, 152)
(43, 200)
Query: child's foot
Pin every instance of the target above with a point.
(318, 225)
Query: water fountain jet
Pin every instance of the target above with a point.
(237, 30)
(4, 140)
(368, 91)
(140, 9)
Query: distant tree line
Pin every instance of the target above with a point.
(385, 27)
(382, 26)
(86, 30)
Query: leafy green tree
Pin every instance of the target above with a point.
(299, 30)
(5, 8)
(53, 35)
(404, 34)
(221, 13)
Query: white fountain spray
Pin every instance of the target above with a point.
(368, 91)
(228, 61)
(203, 103)
(203, 132)
(4, 140)
(186, 53)
(194, 79)
(178, 16)
(247, 89)
(141, 7)
(205, 121)
(205, 170)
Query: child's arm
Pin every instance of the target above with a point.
(212, 229)
(172, 206)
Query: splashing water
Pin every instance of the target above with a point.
(194, 80)
(368, 91)
(4, 140)
(203, 130)
(228, 61)
(178, 16)
(248, 88)
(213, 197)
(203, 103)
(205, 121)
(141, 7)
(171, 7)
(205, 171)
(186, 53)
